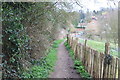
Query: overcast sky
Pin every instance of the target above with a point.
(95, 4)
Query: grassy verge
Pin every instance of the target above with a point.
(78, 64)
(45, 65)
(100, 46)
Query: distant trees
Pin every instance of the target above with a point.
(106, 25)
(109, 25)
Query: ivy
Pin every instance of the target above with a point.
(44, 20)
(15, 38)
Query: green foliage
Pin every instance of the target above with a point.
(69, 49)
(81, 69)
(36, 72)
(51, 58)
(28, 24)
(67, 46)
(16, 47)
(15, 38)
(56, 43)
(77, 63)
(46, 64)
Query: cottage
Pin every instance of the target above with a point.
(93, 26)
(81, 27)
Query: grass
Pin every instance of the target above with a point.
(78, 64)
(46, 64)
(100, 46)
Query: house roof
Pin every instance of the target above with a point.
(94, 18)
(82, 25)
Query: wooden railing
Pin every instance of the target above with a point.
(98, 65)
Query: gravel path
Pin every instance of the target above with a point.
(64, 65)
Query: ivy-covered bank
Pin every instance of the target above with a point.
(28, 30)
(44, 66)
(78, 64)
(25, 35)
(15, 39)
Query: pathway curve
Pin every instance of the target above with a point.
(64, 65)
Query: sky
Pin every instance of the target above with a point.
(95, 4)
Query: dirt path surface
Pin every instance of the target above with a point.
(64, 65)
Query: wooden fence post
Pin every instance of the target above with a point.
(118, 69)
(76, 48)
(101, 65)
(107, 49)
(105, 64)
(84, 52)
(67, 39)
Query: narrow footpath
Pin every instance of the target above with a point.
(64, 65)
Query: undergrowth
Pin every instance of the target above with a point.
(45, 65)
(78, 64)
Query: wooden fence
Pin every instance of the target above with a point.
(99, 65)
